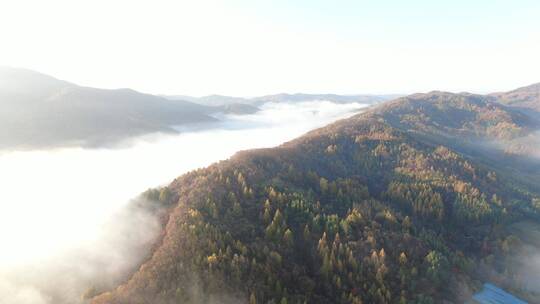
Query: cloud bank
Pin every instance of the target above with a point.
(64, 217)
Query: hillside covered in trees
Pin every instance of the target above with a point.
(527, 97)
(394, 205)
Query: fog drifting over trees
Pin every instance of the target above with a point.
(63, 212)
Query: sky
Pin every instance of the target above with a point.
(250, 48)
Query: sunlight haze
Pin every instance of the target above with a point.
(248, 48)
(269, 152)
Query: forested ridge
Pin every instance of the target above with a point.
(527, 97)
(383, 207)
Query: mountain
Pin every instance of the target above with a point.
(527, 100)
(212, 100)
(463, 116)
(472, 124)
(299, 97)
(220, 100)
(41, 111)
(394, 205)
(28, 85)
(225, 104)
(237, 108)
(526, 97)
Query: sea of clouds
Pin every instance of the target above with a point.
(64, 221)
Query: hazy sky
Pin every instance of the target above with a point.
(246, 47)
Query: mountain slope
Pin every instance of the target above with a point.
(466, 116)
(41, 111)
(472, 124)
(526, 97)
(28, 84)
(370, 209)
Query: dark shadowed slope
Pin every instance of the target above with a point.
(41, 111)
(379, 208)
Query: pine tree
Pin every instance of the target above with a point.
(288, 238)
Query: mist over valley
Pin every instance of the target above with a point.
(257, 152)
(88, 233)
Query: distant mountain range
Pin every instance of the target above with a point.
(40, 111)
(413, 201)
(219, 100)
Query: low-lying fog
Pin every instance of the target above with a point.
(63, 220)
